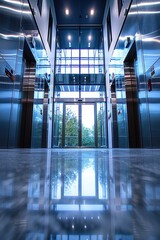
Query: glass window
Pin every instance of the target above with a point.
(84, 70)
(75, 61)
(84, 53)
(75, 70)
(58, 116)
(68, 70)
(75, 53)
(91, 70)
(91, 61)
(91, 54)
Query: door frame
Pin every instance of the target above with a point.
(79, 104)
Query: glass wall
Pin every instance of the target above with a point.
(80, 84)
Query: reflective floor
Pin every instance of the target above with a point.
(81, 194)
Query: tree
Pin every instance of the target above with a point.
(71, 128)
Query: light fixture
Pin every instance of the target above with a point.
(67, 11)
(92, 12)
(89, 38)
(69, 37)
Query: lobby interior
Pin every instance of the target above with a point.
(79, 120)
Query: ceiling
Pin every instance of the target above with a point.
(79, 23)
(79, 11)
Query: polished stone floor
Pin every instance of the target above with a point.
(81, 194)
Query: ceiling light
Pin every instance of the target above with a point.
(67, 11)
(89, 38)
(69, 37)
(92, 12)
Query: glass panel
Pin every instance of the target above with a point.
(71, 177)
(66, 91)
(101, 124)
(88, 132)
(84, 61)
(91, 53)
(88, 177)
(75, 69)
(71, 126)
(91, 70)
(37, 125)
(57, 125)
(84, 53)
(75, 53)
(84, 70)
(92, 91)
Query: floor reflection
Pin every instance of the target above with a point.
(81, 194)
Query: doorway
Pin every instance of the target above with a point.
(130, 67)
(79, 125)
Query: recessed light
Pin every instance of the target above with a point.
(67, 11)
(89, 38)
(92, 12)
(69, 37)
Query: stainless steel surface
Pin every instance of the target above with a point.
(141, 28)
(17, 27)
(80, 194)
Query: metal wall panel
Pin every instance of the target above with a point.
(142, 27)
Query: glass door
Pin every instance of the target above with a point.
(71, 125)
(88, 125)
(79, 125)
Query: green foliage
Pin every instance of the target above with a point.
(71, 129)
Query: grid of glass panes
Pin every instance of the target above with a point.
(75, 61)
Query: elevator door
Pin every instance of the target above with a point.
(130, 67)
(79, 125)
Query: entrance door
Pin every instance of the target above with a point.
(79, 125)
(88, 125)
